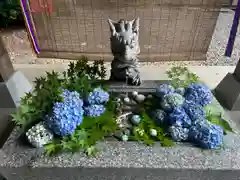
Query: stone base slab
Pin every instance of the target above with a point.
(130, 160)
(124, 160)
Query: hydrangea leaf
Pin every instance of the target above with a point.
(166, 142)
(52, 148)
(226, 126)
(220, 122)
(91, 151)
(214, 115)
(181, 77)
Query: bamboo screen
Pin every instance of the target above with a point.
(169, 29)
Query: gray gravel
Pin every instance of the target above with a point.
(20, 51)
(130, 154)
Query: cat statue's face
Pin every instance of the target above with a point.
(124, 39)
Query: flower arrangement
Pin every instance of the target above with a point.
(187, 121)
(74, 110)
(182, 110)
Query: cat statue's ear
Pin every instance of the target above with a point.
(112, 27)
(135, 25)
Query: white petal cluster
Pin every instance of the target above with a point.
(39, 135)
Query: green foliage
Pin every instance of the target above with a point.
(181, 76)
(147, 123)
(220, 121)
(36, 104)
(78, 76)
(10, 12)
(145, 126)
(85, 136)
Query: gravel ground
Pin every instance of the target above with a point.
(20, 50)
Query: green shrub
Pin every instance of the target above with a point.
(10, 13)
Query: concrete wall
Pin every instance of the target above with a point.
(169, 29)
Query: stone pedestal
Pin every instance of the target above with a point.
(124, 160)
(13, 86)
(228, 90)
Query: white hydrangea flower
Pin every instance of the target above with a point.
(39, 135)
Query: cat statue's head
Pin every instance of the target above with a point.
(124, 39)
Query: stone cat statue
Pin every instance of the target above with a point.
(125, 48)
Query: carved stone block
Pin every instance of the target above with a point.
(125, 48)
(228, 92)
(237, 71)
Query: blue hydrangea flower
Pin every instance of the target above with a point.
(159, 115)
(174, 100)
(94, 110)
(206, 135)
(199, 124)
(180, 91)
(178, 133)
(199, 93)
(66, 115)
(180, 118)
(97, 96)
(164, 89)
(165, 105)
(194, 111)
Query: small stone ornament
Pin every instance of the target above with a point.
(140, 98)
(153, 132)
(118, 100)
(126, 100)
(136, 119)
(127, 132)
(134, 93)
(150, 96)
(122, 120)
(124, 137)
(39, 135)
(125, 49)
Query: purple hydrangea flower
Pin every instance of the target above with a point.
(194, 111)
(66, 115)
(180, 118)
(97, 96)
(178, 133)
(164, 89)
(199, 93)
(206, 135)
(94, 110)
